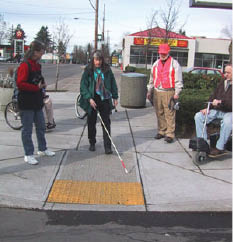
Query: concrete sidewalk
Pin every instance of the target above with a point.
(161, 175)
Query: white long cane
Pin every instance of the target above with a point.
(101, 120)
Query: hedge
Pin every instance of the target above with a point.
(191, 101)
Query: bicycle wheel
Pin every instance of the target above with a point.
(80, 113)
(12, 116)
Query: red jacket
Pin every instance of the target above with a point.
(23, 76)
(30, 96)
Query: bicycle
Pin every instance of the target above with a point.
(13, 119)
(80, 113)
(12, 115)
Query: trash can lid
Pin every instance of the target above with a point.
(133, 74)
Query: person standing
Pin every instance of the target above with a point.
(166, 82)
(98, 88)
(48, 112)
(221, 108)
(30, 84)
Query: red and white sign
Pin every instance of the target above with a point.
(158, 41)
(19, 34)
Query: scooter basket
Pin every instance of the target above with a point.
(199, 144)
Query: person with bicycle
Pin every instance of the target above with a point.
(98, 88)
(30, 101)
(221, 108)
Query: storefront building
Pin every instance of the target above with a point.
(190, 52)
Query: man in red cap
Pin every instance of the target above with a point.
(166, 80)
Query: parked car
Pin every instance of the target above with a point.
(3, 59)
(205, 71)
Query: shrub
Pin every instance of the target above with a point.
(191, 102)
(130, 69)
(200, 81)
(138, 70)
(6, 82)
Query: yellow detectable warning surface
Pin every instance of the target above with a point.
(88, 192)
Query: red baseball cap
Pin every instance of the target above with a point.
(164, 49)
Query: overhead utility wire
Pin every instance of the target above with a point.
(46, 13)
(39, 5)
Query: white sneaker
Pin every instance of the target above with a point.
(30, 160)
(46, 152)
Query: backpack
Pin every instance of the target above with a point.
(16, 90)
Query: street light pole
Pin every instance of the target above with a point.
(96, 22)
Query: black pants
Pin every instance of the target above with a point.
(104, 109)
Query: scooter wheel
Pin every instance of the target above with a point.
(199, 158)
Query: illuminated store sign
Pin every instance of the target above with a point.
(158, 41)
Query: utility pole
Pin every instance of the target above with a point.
(103, 31)
(96, 23)
(12, 41)
(103, 24)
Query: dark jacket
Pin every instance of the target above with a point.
(30, 96)
(225, 96)
(87, 86)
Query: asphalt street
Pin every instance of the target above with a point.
(49, 71)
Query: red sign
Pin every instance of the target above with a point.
(19, 34)
(182, 43)
(158, 41)
(139, 41)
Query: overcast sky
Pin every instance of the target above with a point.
(122, 16)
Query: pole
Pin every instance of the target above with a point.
(103, 31)
(96, 23)
(57, 72)
(103, 24)
(12, 42)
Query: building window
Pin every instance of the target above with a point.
(180, 56)
(210, 60)
(138, 55)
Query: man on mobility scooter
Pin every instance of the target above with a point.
(220, 108)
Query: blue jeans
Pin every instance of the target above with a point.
(28, 117)
(225, 129)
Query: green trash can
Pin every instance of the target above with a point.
(133, 90)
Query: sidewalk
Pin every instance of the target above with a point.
(161, 176)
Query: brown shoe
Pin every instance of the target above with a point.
(159, 136)
(216, 152)
(168, 139)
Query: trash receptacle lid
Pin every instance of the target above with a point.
(133, 74)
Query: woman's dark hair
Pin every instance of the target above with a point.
(99, 55)
(35, 45)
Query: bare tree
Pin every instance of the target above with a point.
(61, 41)
(150, 25)
(3, 29)
(164, 21)
(227, 32)
(61, 36)
(168, 19)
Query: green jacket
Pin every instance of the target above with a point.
(87, 87)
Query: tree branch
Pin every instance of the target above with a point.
(92, 5)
